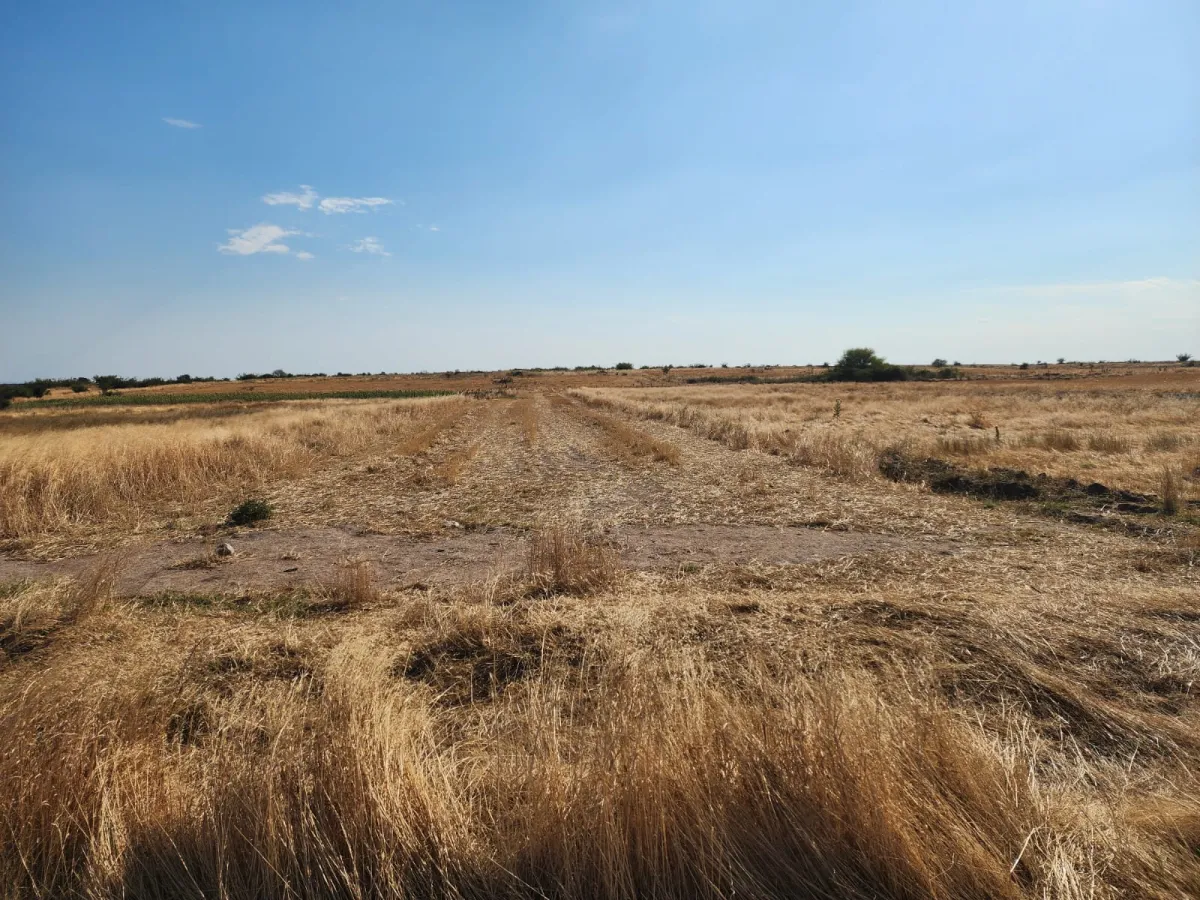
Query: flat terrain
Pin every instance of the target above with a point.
(620, 637)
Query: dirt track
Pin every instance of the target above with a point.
(282, 558)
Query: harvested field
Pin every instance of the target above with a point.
(706, 640)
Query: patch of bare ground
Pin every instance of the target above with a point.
(287, 558)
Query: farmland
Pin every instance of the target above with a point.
(655, 633)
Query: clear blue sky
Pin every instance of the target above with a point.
(486, 184)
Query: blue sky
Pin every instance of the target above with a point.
(483, 184)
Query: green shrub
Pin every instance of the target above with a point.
(624, 365)
(250, 511)
(861, 364)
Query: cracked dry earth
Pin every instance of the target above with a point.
(459, 510)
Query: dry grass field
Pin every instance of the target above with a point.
(629, 637)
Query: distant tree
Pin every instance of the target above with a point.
(79, 387)
(939, 363)
(624, 365)
(1023, 366)
(1061, 360)
(1184, 358)
(666, 370)
(107, 383)
(862, 364)
(184, 379)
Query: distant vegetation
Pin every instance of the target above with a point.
(224, 397)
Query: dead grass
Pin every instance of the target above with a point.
(1117, 430)
(352, 587)
(922, 745)
(625, 441)
(527, 415)
(1107, 442)
(847, 455)
(423, 438)
(964, 445)
(1004, 707)
(113, 474)
(1170, 488)
(563, 559)
(450, 469)
(1057, 439)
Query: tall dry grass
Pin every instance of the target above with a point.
(1118, 434)
(483, 751)
(53, 480)
(563, 559)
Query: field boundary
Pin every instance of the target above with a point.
(229, 397)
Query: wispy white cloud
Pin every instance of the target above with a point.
(368, 245)
(181, 123)
(337, 205)
(304, 255)
(1138, 287)
(261, 238)
(428, 227)
(303, 200)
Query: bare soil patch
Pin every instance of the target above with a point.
(273, 559)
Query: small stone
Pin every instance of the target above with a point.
(450, 523)
(225, 549)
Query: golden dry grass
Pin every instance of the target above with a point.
(655, 742)
(1002, 706)
(528, 418)
(1120, 434)
(624, 440)
(115, 473)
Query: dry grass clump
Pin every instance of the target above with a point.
(847, 455)
(964, 445)
(563, 559)
(471, 654)
(1165, 441)
(1170, 489)
(1107, 442)
(353, 586)
(1058, 439)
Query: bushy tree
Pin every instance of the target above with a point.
(862, 364)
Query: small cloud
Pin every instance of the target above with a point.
(434, 228)
(428, 227)
(368, 245)
(181, 123)
(288, 198)
(338, 205)
(305, 255)
(261, 238)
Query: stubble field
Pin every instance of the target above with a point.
(592, 640)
